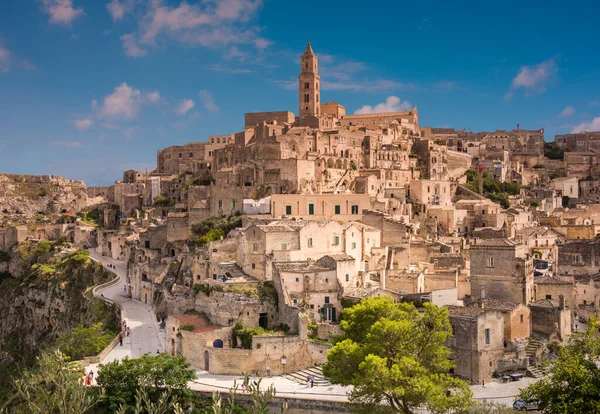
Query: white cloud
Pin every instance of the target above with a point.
(153, 96)
(130, 44)
(5, 59)
(208, 23)
(593, 125)
(62, 11)
(568, 111)
(83, 124)
(117, 9)
(124, 102)
(70, 144)
(391, 104)
(184, 106)
(532, 79)
(209, 101)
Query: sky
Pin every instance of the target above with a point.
(90, 88)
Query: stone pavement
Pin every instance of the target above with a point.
(146, 337)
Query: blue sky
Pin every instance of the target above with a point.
(89, 88)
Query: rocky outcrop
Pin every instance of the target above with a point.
(36, 307)
(32, 194)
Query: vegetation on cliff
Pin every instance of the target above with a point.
(215, 228)
(493, 189)
(47, 295)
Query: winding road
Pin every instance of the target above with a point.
(146, 336)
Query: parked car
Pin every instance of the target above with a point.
(523, 405)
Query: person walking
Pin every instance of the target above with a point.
(120, 338)
(128, 331)
(125, 289)
(308, 381)
(312, 381)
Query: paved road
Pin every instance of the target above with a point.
(146, 337)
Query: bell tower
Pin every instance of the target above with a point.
(309, 84)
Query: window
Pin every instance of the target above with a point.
(490, 262)
(311, 209)
(284, 246)
(521, 318)
(306, 85)
(191, 155)
(253, 266)
(297, 279)
(220, 204)
(336, 240)
(255, 247)
(353, 245)
(487, 336)
(180, 155)
(288, 210)
(326, 280)
(347, 277)
(354, 209)
(147, 244)
(310, 242)
(326, 299)
(549, 297)
(337, 209)
(233, 204)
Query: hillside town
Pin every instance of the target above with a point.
(249, 246)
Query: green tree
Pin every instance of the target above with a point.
(260, 400)
(391, 353)
(82, 341)
(553, 151)
(122, 379)
(161, 201)
(573, 385)
(54, 386)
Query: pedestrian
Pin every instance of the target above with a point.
(157, 351)
(128, 331)
(243, 387)
(575, 326)
(483, 383)
(88, 378)
(312, 381)
(120, 338)
(124, 288)
(124, 323)
(308, 381)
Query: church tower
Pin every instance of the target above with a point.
(309, 81)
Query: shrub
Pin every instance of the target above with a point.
(539, 166)
(161, 201)
(187, 327)
(82, 341)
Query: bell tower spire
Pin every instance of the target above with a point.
(309, 83)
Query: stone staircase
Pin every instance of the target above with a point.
(233, 270)
(532, 348)
(536, 372)
(316, 372)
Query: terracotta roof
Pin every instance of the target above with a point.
(469, 311)
(549, 280)
(544, 303)
(200, 323)
(340, 257)
(499, 305)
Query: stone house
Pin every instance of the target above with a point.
(344, 207)
(552, 289)
(540, 240)
(517, 317)
(548, 320)
(430, 192)
(477, 342)
(587, 295)
(580, 257)
(501, 269)
(309, 285)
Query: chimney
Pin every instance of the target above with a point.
(561, 302)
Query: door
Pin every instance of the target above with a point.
(263, 321)
(206, 361)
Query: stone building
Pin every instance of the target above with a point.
(502, 270)
(344, 207)
(541, 241)
(553, 289)
(477, 342)
(581, 257)
(581, 141)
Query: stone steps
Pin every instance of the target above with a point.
(301, 376)
(532, 347)
(536, 372)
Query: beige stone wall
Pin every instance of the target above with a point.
(554, 291)
(517, 323)
(324, 206)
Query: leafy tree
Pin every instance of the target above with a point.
(161, 201)
(214, 234)
(393, 354)
(55, 386)
(82, 341)
(166, 404)
(487, 407)
(573, 385)
(122, 379)
(553, 151)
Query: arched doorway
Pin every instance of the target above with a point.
(206, 361)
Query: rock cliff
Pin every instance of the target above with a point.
(32, 194)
